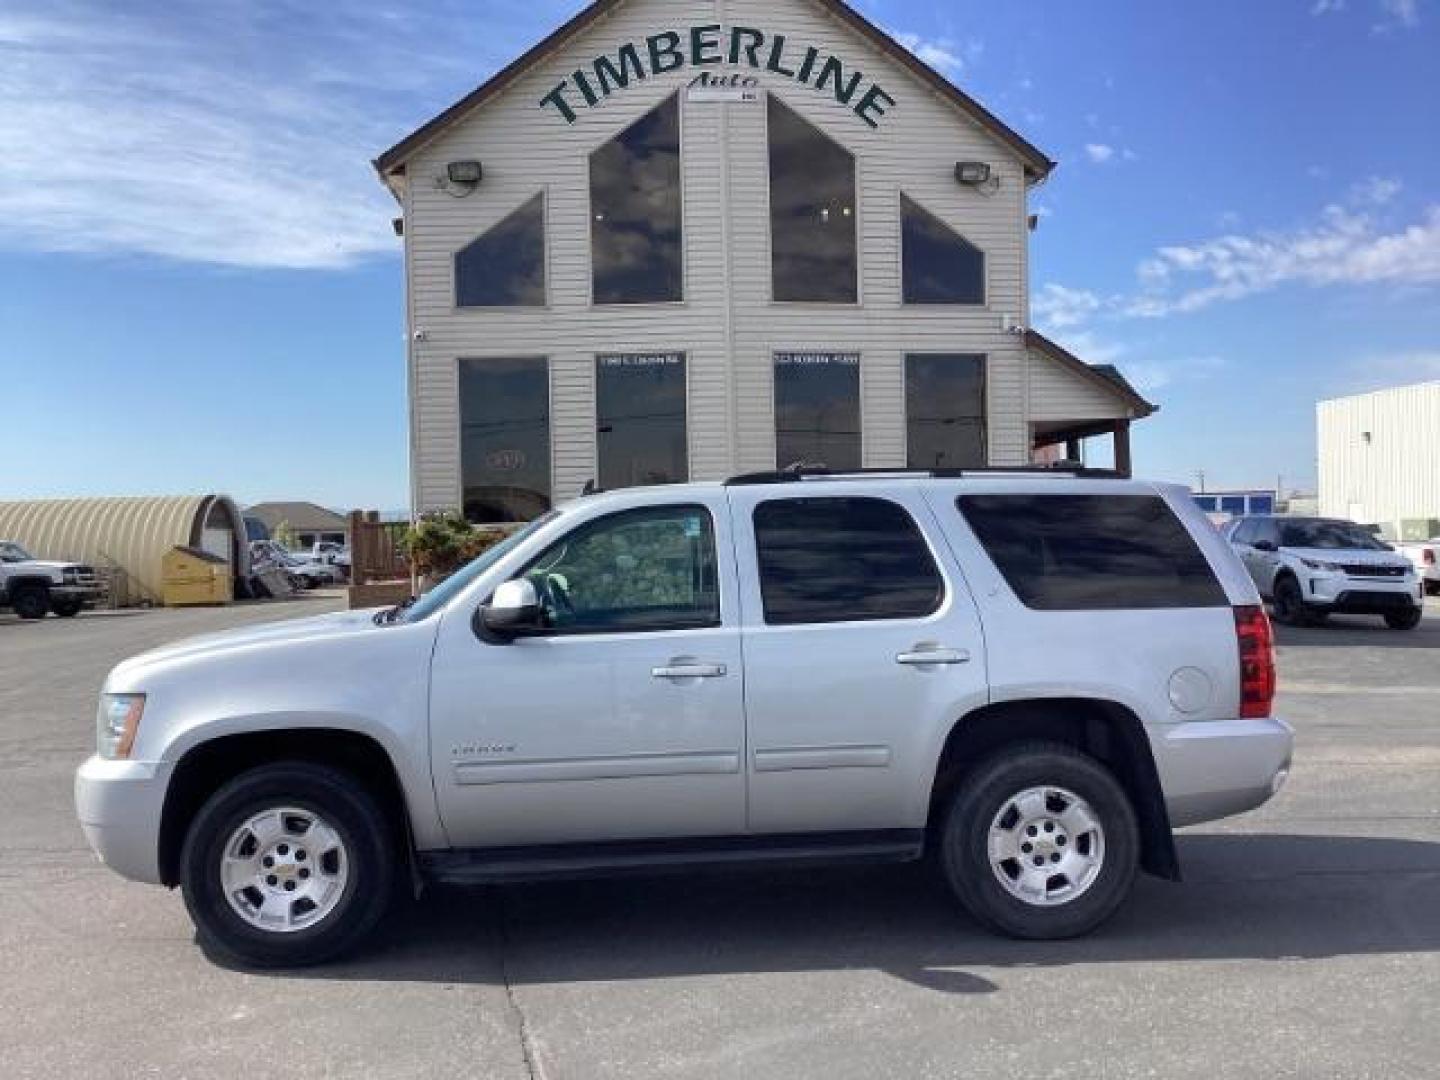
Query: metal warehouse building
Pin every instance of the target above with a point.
(129, 534)
(691, 238)
(1380, 459)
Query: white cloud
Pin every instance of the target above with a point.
(1326, 7)
(1345, 247)
(1399, 13)
(1375, 190)
(1380, 370)
(1056, 306)
(945, 55)
(1099, 153)
(212, 133)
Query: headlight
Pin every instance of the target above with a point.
(1316, 564)
(117, 723)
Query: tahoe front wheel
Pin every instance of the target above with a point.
(288, 864)
(1040, 841)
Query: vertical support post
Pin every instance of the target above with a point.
(358, 561)
(1072, 449)
(1122, 448)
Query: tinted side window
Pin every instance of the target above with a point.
(840, 559)
(637, 570)
(1078, 552)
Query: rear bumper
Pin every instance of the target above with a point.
(1214, 768)
(119, 804)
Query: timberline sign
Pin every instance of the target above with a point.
(711, 45)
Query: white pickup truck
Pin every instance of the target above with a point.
(1425, 554)
(34, 587)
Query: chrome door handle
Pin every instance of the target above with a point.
(688, 671)
(933, 656)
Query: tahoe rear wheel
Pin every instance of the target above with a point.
(1040, 841)
(288, 864)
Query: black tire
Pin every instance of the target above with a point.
(371, 848)
(985, 792)
(31, 601)
(1432, 588)
(1404, 620)
(1289, 604)
(67, 608)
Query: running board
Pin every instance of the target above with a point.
(559, 861)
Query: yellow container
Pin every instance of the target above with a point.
(191, 576)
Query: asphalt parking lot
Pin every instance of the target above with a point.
(1305, 941)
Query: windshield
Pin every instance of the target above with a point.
(1329, 534)
(12, 552)
(457, 582)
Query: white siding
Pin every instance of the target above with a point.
(727, 326)
(1057, 393)
(1395, 474)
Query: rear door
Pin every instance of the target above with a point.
(862, 648)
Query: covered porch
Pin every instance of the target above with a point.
(1072, 401)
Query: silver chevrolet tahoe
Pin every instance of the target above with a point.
(1031, 676)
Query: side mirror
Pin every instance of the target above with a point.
(513, 611)
(1264, 545)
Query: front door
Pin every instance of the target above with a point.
(862, 648)
(625, 720)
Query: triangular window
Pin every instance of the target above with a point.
(939, 265)
(635, 241)
(505, 266)
(812, 211)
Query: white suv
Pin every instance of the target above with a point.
(1309, 568)
(1034, 677)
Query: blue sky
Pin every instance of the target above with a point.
(199, 288)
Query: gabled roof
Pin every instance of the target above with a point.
(1106, 375)
(1037, 165)
(300, 516)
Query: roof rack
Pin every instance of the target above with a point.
(787, 476)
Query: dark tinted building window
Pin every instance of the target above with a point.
(945, 411)
(505, 439)
(640, 418)
(839, 559)
(1075, 552)
(635, 239)
(817, 410)
(505, 266)
(939, 265)
(812, 212)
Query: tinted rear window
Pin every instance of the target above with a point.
(1079, 552)
(839, 559)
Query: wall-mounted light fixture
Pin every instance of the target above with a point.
(972, 173)
(464, 172)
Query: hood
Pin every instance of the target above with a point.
(1349, 556)
(43, 565)
(314, 628)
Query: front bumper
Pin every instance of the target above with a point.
(1214, 768)
(1362, 596)
(119, 804)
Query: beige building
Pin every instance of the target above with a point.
(1379, 459)
(700, 237)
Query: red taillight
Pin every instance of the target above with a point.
(1257, 662)
(1428, 556)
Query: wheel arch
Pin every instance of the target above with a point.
(1106, 730)
(207, 765)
